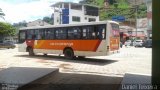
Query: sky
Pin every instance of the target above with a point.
(28, 10)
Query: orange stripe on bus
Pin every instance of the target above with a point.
(98, 43)
(77, 45)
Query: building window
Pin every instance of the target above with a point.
(66, 5)
(76, 19)
(76, 6)
(91, 19)
(93, 11)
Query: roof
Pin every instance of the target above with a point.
(38, 22)
(67, 25)
(59, 3)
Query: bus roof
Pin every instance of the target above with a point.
(68, 25)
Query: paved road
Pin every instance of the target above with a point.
(129, 60)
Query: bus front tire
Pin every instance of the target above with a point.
(30, 51)
(69, 54)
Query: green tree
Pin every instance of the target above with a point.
(1, 14)
(7, 29)
(48, 20)
(20, 24)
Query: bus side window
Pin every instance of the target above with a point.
(40, 34)
(22, 36)
(34, 37)
(77, 33)
(49, 33)
(84, 31)
(92, 32)
(37, 35)
(101, 32)
(70, 33)
(30, 34)
(89, 32)
(61, 33)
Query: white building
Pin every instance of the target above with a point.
(135, 2)
(67, 13)
(38, 22)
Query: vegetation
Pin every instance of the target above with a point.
(48, 20)
(117, 8)
(1, 14)
(7, 29)
(20, 24)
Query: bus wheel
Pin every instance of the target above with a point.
(31, 53)
(69, 54)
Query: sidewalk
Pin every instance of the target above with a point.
(15, 77)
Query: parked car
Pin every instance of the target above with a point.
(128, 43)
(147, 43)
(7, 45)
(138, 43)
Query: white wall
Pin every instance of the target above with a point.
(78, 13)
(81, 15)
(56, 18)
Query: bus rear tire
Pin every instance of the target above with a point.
(68, 53)
(30, 51)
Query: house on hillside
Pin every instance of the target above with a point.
(38, 22)
(135, 2)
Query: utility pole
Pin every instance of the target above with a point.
(136, 7)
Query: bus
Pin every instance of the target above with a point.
(71, 40)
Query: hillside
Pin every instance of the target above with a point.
(123, 8)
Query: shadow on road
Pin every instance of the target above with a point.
(72, 81)
(92, 61)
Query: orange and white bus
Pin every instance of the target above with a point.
(83, 39)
